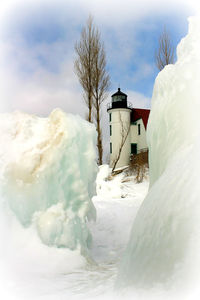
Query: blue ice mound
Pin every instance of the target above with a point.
(48, 174)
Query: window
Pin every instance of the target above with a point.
(110, 130)
(117, 98)
(139, 131)
(110, 117)
(133, 148)
(110, 148)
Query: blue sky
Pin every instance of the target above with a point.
(38, 42)
(37, 55)
(37, 49)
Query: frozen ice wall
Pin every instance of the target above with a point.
(48, 174)
(164, 242)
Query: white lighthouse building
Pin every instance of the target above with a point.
(127, 130)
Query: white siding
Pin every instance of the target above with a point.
(133, 137)
(116, 137)
(140, 140)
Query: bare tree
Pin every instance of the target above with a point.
(124, 134)
(164, 55)
(100, 83)
(84, 62)
(90, 67)
(139, 165)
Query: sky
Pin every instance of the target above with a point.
(37, 49)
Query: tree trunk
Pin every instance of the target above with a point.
(90, 108)
(99, 136)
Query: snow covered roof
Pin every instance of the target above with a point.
(138, 113)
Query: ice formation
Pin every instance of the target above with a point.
(164, 244)
(48, 174)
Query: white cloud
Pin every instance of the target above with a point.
(143, 70)
(138, 100)
(117, 12)
(28, 85)
(41, 91)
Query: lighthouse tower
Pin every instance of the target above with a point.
(119, 122)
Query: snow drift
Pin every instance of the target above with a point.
(165, 238)
(48, 174)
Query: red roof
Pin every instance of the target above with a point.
(138, 113)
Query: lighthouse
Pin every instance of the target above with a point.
(127, 127)
(119, 111)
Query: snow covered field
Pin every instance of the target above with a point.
(117, 202)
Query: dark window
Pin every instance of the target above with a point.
(138, 129)
(133, 148)
(110, 117)
(110, 147)
(110, 130)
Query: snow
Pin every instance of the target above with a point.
(36, 271)
(163, 250)
(47, 180)
(115, 212)
(51, 246)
